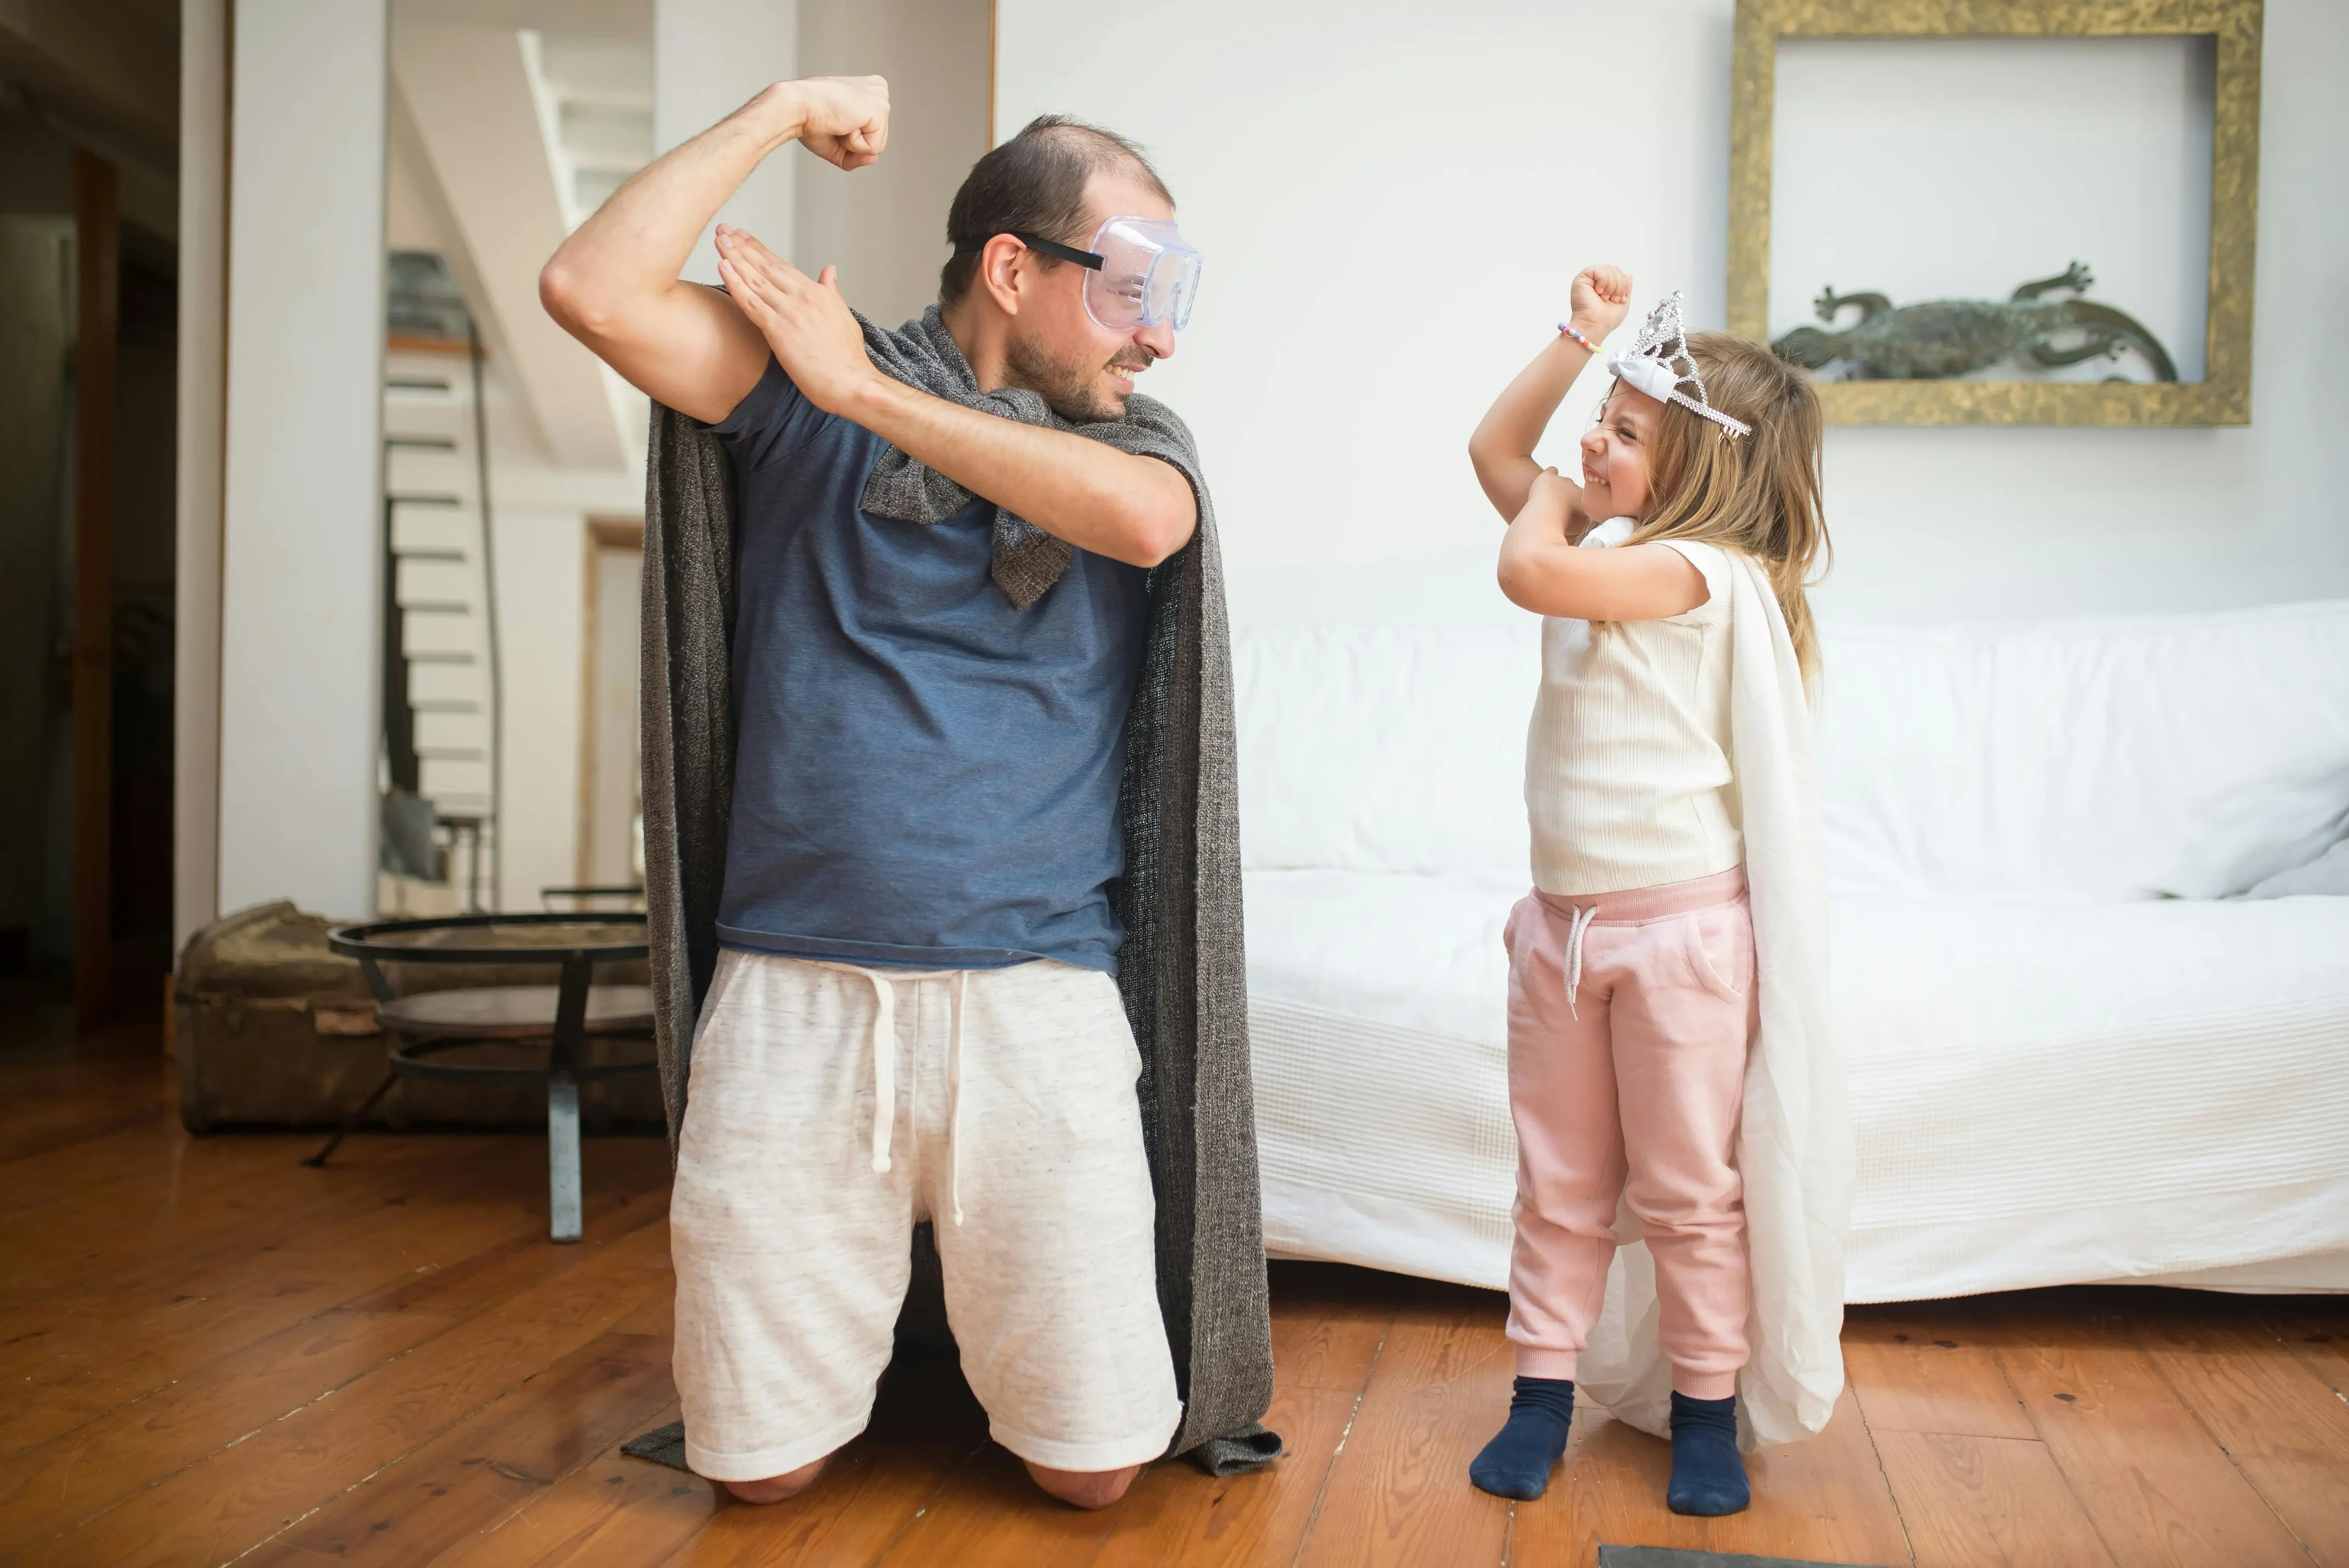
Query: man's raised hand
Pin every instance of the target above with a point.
(804, 320)
(842, 120)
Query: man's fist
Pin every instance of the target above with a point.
(841, 119)
(1602, 295)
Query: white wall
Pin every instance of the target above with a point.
(476, 124)
(1393, 197)
(301, 560)
(709, 57)
(198, 456)
(541, 592)
(886, 226)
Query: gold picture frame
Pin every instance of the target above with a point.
(2223, 396)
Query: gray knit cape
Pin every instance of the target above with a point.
(1182, 969)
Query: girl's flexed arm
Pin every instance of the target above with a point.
(1544, 571)
(1502, 447)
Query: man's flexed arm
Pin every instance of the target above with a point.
(613, 283)
(1133, 509)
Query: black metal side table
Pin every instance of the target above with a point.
(424, 1025)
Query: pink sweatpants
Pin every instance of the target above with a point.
(1634, 1069)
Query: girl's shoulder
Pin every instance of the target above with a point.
(1714, 563)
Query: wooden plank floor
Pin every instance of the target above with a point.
(211, 1355)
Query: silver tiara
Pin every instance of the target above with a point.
(1659, 364)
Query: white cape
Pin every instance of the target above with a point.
(1794, 1146)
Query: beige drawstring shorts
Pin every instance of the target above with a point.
(1008, 1096)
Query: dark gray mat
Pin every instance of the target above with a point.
(1673, 1557)
(1249, 1450)
(662, 1445)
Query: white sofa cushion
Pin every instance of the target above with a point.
(2187, 755)
(1377, 1009)
(2041, 1092)
(1367, 748)
(2050, 1093)
(2191, 755)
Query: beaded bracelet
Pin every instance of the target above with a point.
(1588, 346)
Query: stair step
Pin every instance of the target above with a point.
(435, 577)
(445, 683)
(449, 728)
(427, 461)
(432, 528)
(428, 634)
(454, 786)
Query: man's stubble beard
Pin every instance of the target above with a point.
(1069, 389)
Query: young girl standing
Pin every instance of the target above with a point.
(1668, 1048)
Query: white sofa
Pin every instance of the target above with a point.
(2072, 1056)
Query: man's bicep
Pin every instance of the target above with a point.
(688, 348)
(1179, 496)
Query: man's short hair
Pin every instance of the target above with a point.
(1034, 184)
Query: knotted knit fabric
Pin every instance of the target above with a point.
(1027, 561)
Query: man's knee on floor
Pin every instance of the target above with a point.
(775, 1489)
(1085, 1488)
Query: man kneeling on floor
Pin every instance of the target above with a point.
(940, 822)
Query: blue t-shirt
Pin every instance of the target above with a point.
(924, 774)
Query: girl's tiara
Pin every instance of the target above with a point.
(1658, 363)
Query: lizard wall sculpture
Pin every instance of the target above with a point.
(1944, 337)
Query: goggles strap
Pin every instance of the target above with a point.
(1086, 259)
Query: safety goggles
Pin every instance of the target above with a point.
(1140, 273)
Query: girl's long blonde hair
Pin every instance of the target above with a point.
(1757, 494)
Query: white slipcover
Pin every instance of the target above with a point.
(2057, 1073)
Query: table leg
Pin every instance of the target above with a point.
(562, 1157)
(351, 1123)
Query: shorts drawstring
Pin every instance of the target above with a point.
(884, 1064)
(884, 1068)
(1580, 922)
(954, 1094)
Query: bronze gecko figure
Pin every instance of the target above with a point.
(1944, 337)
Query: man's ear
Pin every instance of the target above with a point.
(999, 265)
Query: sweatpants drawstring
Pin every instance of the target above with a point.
(1580, 923)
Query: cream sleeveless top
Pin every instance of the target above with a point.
(1627, 776)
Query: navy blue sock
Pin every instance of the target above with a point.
(1516, 1463)
(1708, 1475)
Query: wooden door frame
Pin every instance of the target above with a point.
(97, 277)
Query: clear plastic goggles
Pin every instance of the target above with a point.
(1141, 273)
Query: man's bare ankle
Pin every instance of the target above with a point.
(775, 1489)
(1085, 1488)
